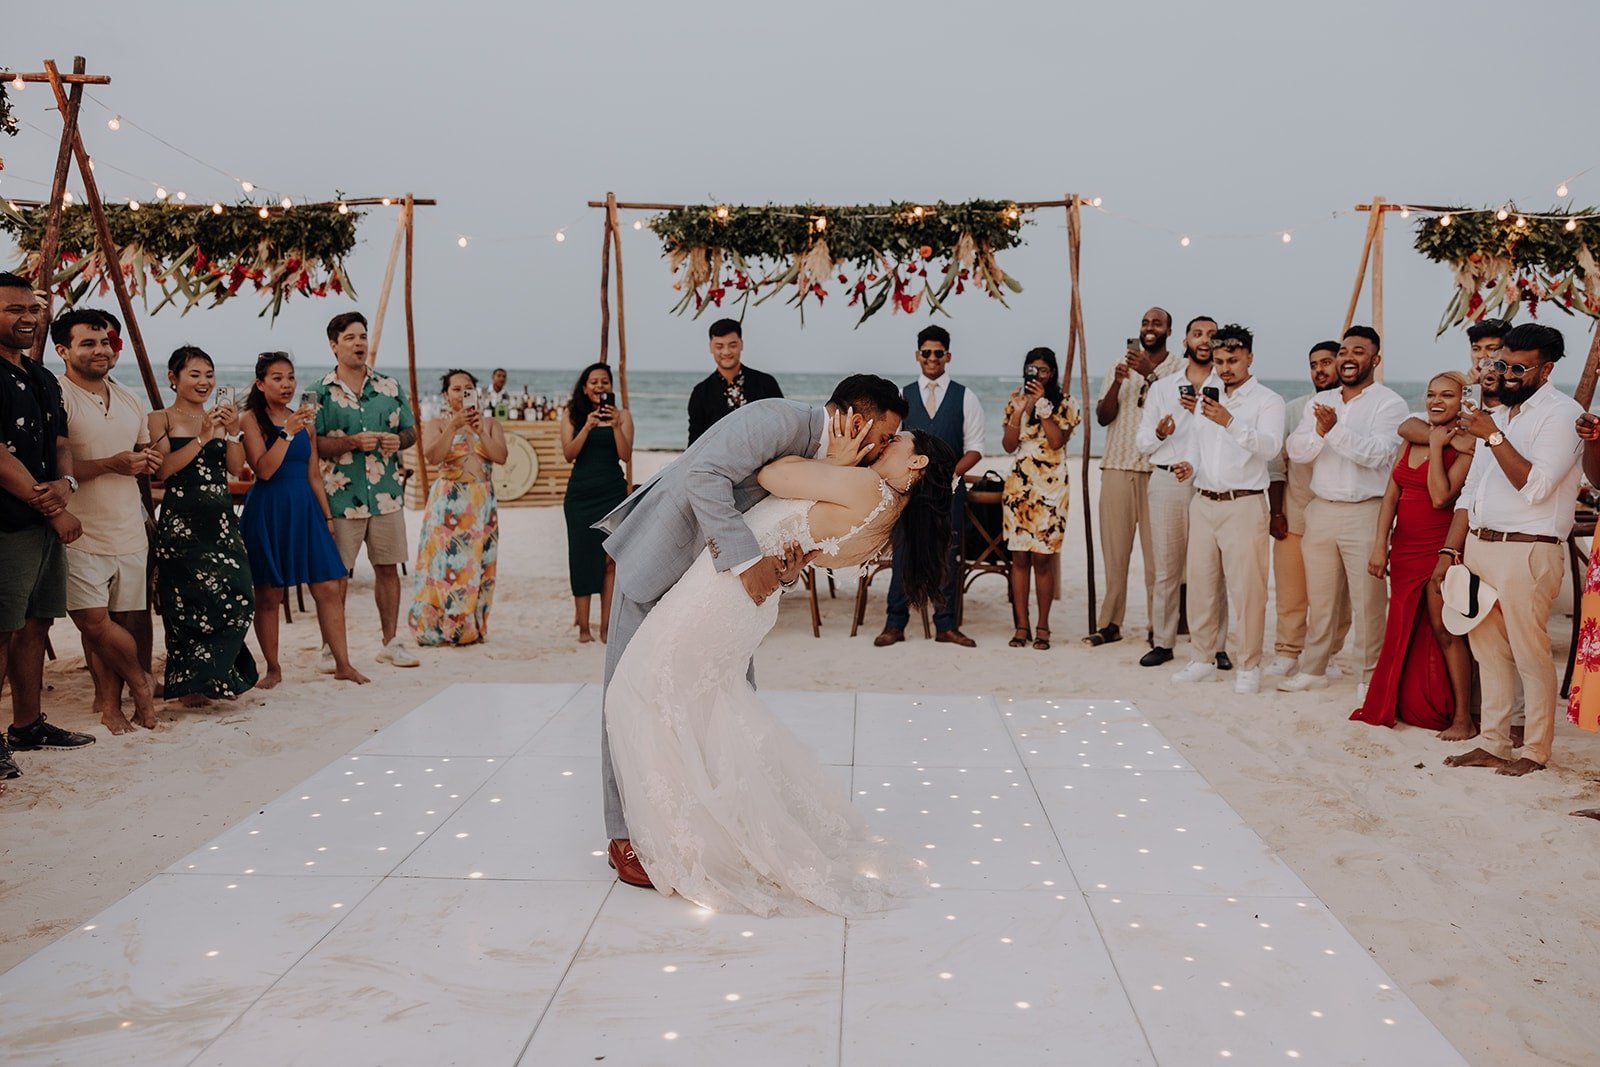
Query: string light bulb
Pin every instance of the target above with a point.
(66, 198)
(161, 192)
(182, 196)
(1572, 224)
(133, 205)
(264, 212)
(1502, 214)
(638, 225)
(18, 84)
(722, 212)
(821, 223)
(248, 187)
(1561, 190)
(387, 201)
(1522, 222)
(344, 208)
(561, 235)
(1096, 201)
(461, 241)
(114, 123)
(216, 209)
(1184, 242)
(1405, 213)
(916, 212)
(1287, 237)
(1444, 220)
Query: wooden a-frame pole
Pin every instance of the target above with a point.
(409, 216)
(49, 245)
(1077, 344)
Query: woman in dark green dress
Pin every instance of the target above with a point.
(202, 572)
(596, 438)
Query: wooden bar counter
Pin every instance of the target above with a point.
(534, 474)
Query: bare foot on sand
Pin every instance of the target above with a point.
(584, 636)
(113, 719)
(1476, 758)
(1459, 730)
(144, 705)
(271, 679)
(1517, 768)
(194, 700)
(1516, 736)
(350, 674)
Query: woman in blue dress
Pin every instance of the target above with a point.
(287, 529)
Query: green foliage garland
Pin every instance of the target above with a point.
(8, 121)
(1503, 264)
(189, 254)
(900, 253)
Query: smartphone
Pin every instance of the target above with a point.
(472, 399)
(308, 399)
(224, 396)
(1186, 390)
(1031, 373)
(1212, 393)
(608, 407)
(1134, 345)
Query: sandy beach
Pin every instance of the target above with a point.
(1475, 891)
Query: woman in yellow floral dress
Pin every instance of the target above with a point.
(461, 527)
(1583, 702)
(1038, 423)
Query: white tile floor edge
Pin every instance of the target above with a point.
(436, 896)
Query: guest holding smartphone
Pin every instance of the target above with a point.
(461, 525)
(1038, 424)
(287, 527)
(596, 438)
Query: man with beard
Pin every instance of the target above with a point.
(1513, 515)
(1288, 496)
(1125, 471)
(1238, 428)
(1163, 433)
(1349, 437)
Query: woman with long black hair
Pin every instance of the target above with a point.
(596, 438)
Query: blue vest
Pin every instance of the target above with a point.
(948, 425)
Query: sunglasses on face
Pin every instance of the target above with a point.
(931, 353)
(1516, 370)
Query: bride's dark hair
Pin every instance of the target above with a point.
(922, 534)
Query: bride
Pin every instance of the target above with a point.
(724, 805)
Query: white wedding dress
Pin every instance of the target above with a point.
(724, 805)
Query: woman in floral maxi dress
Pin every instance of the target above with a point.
(461, 528)
(1583, 703)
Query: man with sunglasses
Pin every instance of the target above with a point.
(1349, 436)
(1512, 518)
(1125, 471)
(1164, 426)
(952, 413)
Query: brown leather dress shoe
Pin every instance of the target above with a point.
(889, 637)
(621, 857)
(955, 637)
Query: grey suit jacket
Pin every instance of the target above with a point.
(700, 499)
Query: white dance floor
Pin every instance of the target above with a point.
(437, 897)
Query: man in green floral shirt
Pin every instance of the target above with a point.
(363, 421)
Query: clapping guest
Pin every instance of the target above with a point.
(460, 526)
(203, 574)
(1038, 424)
(287, 527)
(1238, 430)
(1348, 435)
(1424, 672)
(596, 438)
(1515, 511)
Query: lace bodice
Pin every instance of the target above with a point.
(777, 522)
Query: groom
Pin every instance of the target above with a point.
(699, 502)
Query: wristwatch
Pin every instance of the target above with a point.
(72, 483)
(1496, 439)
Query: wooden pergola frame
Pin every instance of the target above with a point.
(69, 103)
(611, 247)
(1372, 253)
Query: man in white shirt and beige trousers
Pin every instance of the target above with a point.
(1238, 429)
(1350, 437)
(1513, 517)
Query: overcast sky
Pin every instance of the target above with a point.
(1230, 122)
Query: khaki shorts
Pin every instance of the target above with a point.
(384, 536)
(33, 579)
(116, 583)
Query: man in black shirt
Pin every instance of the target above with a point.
(731, 385)
(35, 484)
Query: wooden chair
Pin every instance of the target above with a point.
(809, 577)
(870, 571)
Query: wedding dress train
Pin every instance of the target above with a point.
(724, 805)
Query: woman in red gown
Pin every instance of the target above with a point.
(1424, 671)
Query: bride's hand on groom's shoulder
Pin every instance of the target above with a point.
(846, 448)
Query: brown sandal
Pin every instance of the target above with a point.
(1041, 639)
(1020, 638)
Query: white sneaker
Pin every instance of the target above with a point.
(1334, 671)
(325, 663)
(1197, 671)
(1282, 667)
(1301, 683)
(397, 654)
(1248, 682)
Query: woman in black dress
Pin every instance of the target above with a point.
(596, 438)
